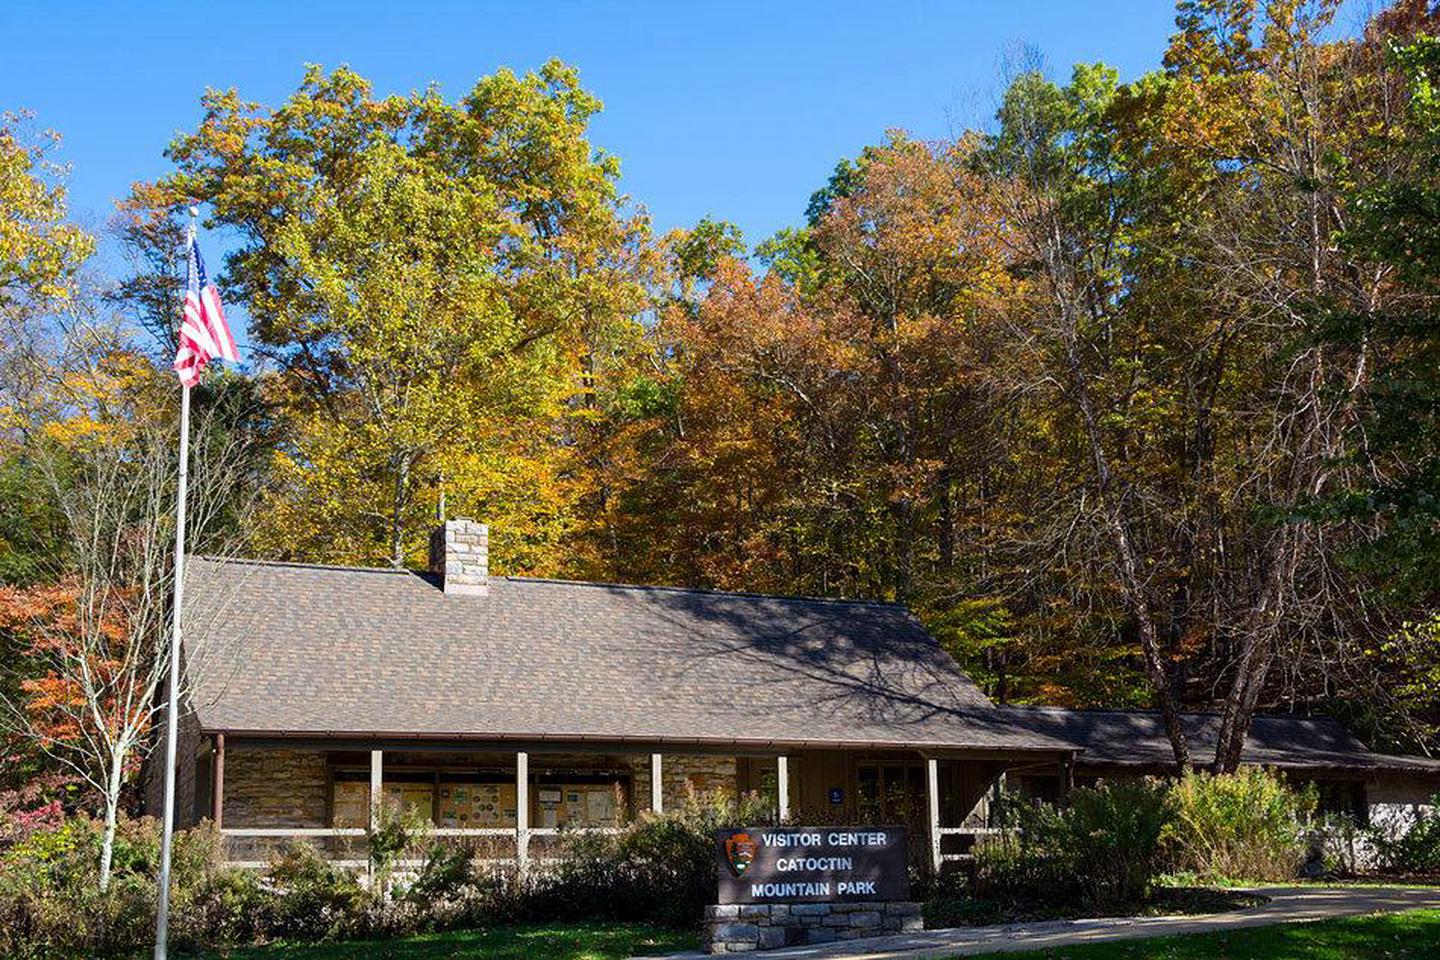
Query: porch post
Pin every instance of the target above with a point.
(522, 811)
(932, 770)
(376, 787)
(657, 788)
(782, 786)
(217, 782)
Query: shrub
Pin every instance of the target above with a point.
(1249, 825)
(26, 810)
(1101, 849)
(1020, 870)
(1412, 847)
(398, 830)
(1335, 844)
(315, 900)
(1114, 834)
(229, 908)
(51, 905)
(661, 868)
(446, 874)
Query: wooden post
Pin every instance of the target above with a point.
(217, 782)
(657, 790)
(933, 777)
(782, 786)
(377, 787)
(522, 812)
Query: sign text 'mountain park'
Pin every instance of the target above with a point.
(811, 864)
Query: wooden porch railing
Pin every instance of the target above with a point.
(521, 836)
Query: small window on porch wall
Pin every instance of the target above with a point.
(1038, 788)
(890, 793)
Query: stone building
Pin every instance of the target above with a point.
(507, 709)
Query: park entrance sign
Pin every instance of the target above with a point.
(812, 865)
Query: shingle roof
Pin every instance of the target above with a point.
(1136, 738)
(294, 649)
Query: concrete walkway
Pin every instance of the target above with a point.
(1286, 905)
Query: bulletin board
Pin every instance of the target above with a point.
(476, 805)
(351, 801)
(576, 805)
(415, 798)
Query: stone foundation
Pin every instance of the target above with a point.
(740, 928)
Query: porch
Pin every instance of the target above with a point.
(512, 803)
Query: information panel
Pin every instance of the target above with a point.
(812, 864)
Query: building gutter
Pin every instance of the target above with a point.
(515, 740)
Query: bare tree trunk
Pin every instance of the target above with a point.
(1130, 577)
(1257, 654)
(397, 513)
(112, 812)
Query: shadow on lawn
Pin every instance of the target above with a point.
(965, 911)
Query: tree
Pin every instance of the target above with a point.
(1067, 387)
(435, 281)
(1276, 134)
(39, 251)
(1394, 223)
(1073, 199)
(95, 642)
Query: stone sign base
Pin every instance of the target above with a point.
(740, 928)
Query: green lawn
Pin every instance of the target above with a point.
(1402, 936)
(556, 941)
(1394, 936)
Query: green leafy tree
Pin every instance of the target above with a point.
(39, 251)
(434, 280)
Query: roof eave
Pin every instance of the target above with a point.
(1059, 750)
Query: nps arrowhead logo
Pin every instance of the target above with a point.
(740, 850)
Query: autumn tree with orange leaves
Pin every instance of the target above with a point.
(95, 641)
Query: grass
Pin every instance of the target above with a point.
(554, 941)
(1230, 883)
(1392, 936)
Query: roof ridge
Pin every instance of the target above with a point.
(1155, 711)
(564, 581)
(709, 591)
(253, 561)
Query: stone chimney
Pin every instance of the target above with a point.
(460, 556)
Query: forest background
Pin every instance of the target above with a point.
(1132, 394)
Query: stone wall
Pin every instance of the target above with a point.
(275, 788)
(741, 928)
(680, 775)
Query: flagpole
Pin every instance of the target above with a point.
(172, 709)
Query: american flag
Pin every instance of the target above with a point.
(204, 334)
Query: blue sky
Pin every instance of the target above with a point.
(736, 110)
